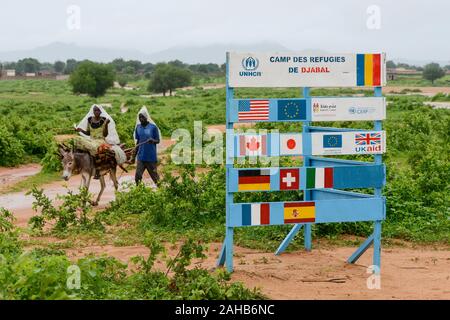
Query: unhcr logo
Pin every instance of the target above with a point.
(250, 65)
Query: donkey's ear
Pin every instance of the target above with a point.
(62, 150)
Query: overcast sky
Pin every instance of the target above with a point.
(410, 29)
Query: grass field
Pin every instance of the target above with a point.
(418, 81)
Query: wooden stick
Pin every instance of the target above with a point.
(335, 280)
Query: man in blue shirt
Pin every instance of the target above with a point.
(148, 134)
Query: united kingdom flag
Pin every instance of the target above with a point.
(368, 138)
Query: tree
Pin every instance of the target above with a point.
(71, 64)
(390, 64)
(122, 80)
(118, 64)
(167, 77)
(210, 68)
(135, 64)
(92, 78)
(177, 63)
(433, 71)
(129, 70)
(59, 66)
(28, 65)
(148, 67)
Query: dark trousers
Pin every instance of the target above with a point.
(151, 168)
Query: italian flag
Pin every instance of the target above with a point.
(319, 178)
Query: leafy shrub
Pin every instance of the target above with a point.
(183, 201)
(44, 274)
(11, 149)
(73, 213)
(51, 161)
(9, 242)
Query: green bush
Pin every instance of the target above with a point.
(51, 161)
(183, 201)
(45, 274)
(11, 149)
(75, 213)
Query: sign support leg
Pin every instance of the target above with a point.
(360, 251)
(308, 237)
(229, 249)
(288, 239)
(221, 260)
(377, 246)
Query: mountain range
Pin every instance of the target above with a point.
(214, 53)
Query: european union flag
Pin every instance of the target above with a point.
(292, 109)
(332, 141)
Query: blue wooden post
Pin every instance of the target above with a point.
(226, 254)
(375, 238)
(306, 163)
(378, 193)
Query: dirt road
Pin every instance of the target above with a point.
(21, 204)
(407, 272)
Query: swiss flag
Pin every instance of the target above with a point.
(289, 179)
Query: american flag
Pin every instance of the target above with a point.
(253, 110)
(368, 138)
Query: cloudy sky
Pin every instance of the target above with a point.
(413, 29)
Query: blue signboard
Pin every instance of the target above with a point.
(322, 179)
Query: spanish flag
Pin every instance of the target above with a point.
(254, 180)
(368, 69)
(299, 212)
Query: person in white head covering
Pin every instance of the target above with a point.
(95, 118)
(145, 112)
(147, 136)
(96, 129)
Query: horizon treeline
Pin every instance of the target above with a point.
(121, 66)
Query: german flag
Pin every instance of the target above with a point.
(368, 69)
(299, 212)
(254, 180)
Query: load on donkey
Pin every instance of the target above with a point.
(96, 152)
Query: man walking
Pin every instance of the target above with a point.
(147, 137)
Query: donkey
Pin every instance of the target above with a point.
(84, 163)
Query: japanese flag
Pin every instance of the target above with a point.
(290, 144)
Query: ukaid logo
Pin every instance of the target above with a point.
(368, 142)
(250, 65)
